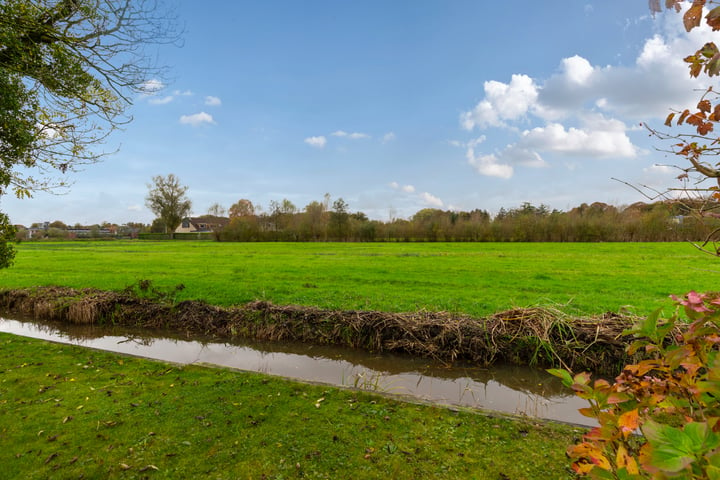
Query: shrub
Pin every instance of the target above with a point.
(660, 417)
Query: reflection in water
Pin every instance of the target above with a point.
(513, 389)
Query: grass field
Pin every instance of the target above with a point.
(71, 412)
(473, 278)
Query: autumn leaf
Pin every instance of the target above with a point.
(669, 119)
(692, 17)
(704, 106)
(629, 422)
(713, 18)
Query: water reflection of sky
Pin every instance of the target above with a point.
(512, 389)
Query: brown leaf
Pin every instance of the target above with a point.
(668, 120)
(713, 18)
(705, 128)
(704, 106)
(673, 4)
(683, 116)
(692, 17)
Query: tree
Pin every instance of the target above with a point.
(242, 208)
(68, 69)
(166, 198)
(216, 210)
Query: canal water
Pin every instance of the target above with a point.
(511, 389)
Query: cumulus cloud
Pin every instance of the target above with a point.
(583, 110)
(197, 119)
(317, 142)
(431, 200)
(212, 101)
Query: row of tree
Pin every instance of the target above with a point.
(598, 222)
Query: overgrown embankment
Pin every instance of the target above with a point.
(534, 336)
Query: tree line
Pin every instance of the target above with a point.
(597, 222)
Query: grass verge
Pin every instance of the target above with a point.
(69, 412)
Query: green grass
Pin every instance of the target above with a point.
(473, 278)
(70, 412)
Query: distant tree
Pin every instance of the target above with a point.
(216, 210)
(242, 208)
(166, 198)
(58, 224)
(339, 219)
(315, 220)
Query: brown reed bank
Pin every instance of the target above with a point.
(542, 337)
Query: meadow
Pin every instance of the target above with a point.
(472, 278)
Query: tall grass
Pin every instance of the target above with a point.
(472, 278)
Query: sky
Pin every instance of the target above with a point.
(396, 106)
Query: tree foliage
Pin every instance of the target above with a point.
(68, 69)
(166, 198)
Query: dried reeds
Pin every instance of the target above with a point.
(535, 336)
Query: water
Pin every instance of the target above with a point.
(512, 389)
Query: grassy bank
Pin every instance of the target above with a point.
(69, 412)
(472, 278)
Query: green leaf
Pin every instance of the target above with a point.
(671, 447)
(563, 375)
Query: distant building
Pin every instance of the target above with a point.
(203, 224)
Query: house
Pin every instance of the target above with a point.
(205, 223)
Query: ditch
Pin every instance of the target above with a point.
(513, 389)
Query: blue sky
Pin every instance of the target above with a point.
(396, 106)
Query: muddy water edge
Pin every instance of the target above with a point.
(505, 388)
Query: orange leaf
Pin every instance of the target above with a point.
(623, 459)
(683, 116)
(668, 120)
(705, 128)
(692, 17)
(696, 119)
(704, 106)
(629, 422)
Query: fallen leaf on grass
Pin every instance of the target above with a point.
(149, 467)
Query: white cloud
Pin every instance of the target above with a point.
(431, 200)
(489, 165)
(317, 142)
(182, 93)
(197, 119)
(152, 86)
(404, 188)
(583, 110)
(353, 136)
(161, 100)
(388, 137)
(134, 208)
(212, 101)
(357, 135)
(503, 102)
